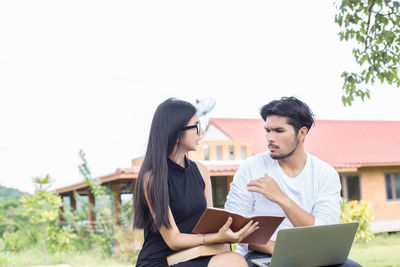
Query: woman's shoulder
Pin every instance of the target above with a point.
(200, 166)
(202, 169)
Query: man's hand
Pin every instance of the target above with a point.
(269, 188)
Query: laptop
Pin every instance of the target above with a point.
(311, 246)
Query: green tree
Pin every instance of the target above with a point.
(10, 217)
(112, 235)
(102, 236)
(374, 27)
(40, 212)
(9, 194)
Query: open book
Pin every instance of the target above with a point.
(213, 219)
(195, 252)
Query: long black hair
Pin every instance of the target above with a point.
(166, 129)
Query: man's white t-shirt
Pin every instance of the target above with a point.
(316, 189)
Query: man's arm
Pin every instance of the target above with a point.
(269, 188)
(239, 199)
(327, 207)
(296, 215)
(267, 248)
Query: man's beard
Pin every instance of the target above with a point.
(278, 157)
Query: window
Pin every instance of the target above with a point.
(219, 190)
(206, 151)
(126, 198)
(101, 203)
(243, 152)
(231, 153)
(392, 186)
(82, 202)
(127, 208)
(351, 187)
(66, 200)
(219, 152)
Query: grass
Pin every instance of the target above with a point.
(381, 251)
(34, 257)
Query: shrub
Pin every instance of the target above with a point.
(16, 241)
(358, 211)
(11, 218)
(40, 226)
(128, 242)
(32, 223)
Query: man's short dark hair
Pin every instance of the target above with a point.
(298, 113)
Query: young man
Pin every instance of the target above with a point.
(285, 181)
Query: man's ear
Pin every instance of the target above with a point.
(303, 131)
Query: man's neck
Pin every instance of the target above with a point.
(294, 164)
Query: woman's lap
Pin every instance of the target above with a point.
(199, 262)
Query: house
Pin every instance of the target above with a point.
(366, 155)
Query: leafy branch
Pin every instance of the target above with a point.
(374, 26)
(94, 183)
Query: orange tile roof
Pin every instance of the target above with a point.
(340, 143)
(355, 143)
(134, 169)
(222, 167)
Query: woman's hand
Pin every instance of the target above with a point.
(225, 233)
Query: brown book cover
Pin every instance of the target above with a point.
(214, 218)
(195, 252)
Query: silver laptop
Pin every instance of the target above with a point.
(312, 246)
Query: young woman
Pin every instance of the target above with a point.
(172, 192)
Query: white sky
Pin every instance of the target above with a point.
(89, 74)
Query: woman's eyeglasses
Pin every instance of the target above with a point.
(196, 125)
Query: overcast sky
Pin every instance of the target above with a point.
(89, 74)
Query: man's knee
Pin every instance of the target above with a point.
(351, 263)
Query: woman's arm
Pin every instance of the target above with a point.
(178, 241)
(207, 181)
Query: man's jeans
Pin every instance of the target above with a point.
(257, 255)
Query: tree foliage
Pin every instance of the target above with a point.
(374, 26)
(111, 233)
(42, 210)
(94, 183)
(35, 221)
(11, 218)
(9, 194)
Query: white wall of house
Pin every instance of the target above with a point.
(213, 133)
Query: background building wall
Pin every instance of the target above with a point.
(373, 190)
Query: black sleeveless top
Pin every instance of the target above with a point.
(187, 203)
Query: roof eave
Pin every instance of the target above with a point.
(103, 179)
